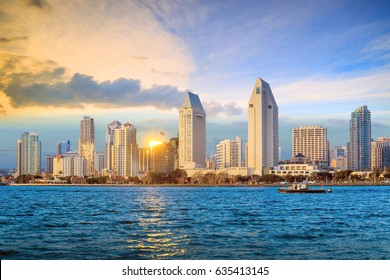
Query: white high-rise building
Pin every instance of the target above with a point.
(87, 142)
(229, 153)
(263, 134)
(192, 133)
(125, 151)
(29, 154)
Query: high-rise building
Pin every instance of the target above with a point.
(380, 154)
(163, 158)
(174, 142)
(229, 153)
(29, 154)
(99, 162)
(192, 133)
(109, 140)
(311, 141)
(49, 164)
(359, 148)
(125, 151)
(144, 161)
(263, 134)
(18, 157)
(87, 142)
(63, 146)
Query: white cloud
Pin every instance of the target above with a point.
(368, 87)
(381, 43)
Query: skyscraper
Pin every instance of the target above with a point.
(263, 134)
(29, 154)
(125, 151)
(311, 141)
(359, 148)
(109, 140)
(87, 142)
(63, 146)
(192, 133)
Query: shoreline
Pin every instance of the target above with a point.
(200, 185)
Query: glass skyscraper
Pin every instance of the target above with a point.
(359, 146)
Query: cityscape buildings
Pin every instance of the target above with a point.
(263, 134)
(29, 154)
(122, 157)
(359, 147)
(87, 142)
(311, 141)
(380, 154)
(192, 133)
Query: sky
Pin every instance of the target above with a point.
(132, 61)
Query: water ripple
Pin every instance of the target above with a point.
(193, 223)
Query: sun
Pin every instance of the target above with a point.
(153, 143)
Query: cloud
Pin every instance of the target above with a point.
(3, 112)
(331, 89)
(41, 4)
(381, 43)
(106, 39)
(230, 109)
(83, 89)
(12, 39)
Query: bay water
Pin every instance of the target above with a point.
(85, 222)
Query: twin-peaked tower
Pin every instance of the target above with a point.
(263, 134)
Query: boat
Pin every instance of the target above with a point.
(302, 188)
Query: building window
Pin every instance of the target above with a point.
(257, 90)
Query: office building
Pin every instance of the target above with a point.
(359, 147)
(192, 133)
(263, 135)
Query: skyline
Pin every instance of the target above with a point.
(132, 61)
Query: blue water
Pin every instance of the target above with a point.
(193, 223)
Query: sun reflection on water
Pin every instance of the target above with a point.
(156, 235)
